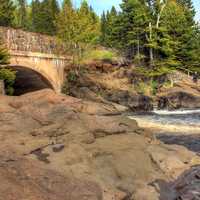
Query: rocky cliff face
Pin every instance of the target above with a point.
(184, 94)
(58, 147)
(115, 83)
(108, 82)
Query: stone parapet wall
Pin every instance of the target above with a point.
(19, 40)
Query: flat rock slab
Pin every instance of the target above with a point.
(24, 180)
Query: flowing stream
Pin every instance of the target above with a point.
(180, 127)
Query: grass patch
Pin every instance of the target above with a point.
(99, 55)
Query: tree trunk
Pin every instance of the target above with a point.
(150, 49)
(160, 13)
(138, 46)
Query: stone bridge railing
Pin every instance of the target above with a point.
(19, 40)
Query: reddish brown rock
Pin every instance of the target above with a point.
(23, 179)
(53, 144)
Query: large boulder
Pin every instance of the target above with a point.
(183, 93)
(178, 98)
(134, 101)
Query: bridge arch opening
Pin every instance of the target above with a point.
(29, 80)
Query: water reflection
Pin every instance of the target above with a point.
(191, 142)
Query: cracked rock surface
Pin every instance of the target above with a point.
(58, 147)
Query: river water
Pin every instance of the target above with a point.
(180, 127)
(179, 117)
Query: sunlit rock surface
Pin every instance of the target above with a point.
(59, 147)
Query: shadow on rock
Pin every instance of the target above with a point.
(185, 187)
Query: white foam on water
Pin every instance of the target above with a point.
(176, 112)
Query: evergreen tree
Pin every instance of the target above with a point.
(88, 24)
(21, 14)
(78, 29)
(67, 24)
(84, 9)
(67, 3)
(129, 29)
(110, 18)
(44, 16)
(107, 25)
(188, 9)
(7, 9)
(35, 15)
(54, 8)
(103, 28)
(49, 11)
(147, 30)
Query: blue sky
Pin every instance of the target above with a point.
(197, 7)
(100, 5)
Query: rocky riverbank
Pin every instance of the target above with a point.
(114, 82)
(59, 147)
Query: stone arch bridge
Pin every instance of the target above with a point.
(36, 60)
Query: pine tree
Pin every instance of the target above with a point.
(49, 10)
(21, 14)
(107, 25)
(78, 29)
(188, 9)
(103, 29)
(89, 24)
(7, 9)
(35, 17)
(54, 8)
(148, 30)
(66, 22)
(67, 3)
(44, 15)
(129, 29)
(84, 9)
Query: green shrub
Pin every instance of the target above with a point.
(154, 87)
(9, 77)
(72, 76)
(147, 88)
